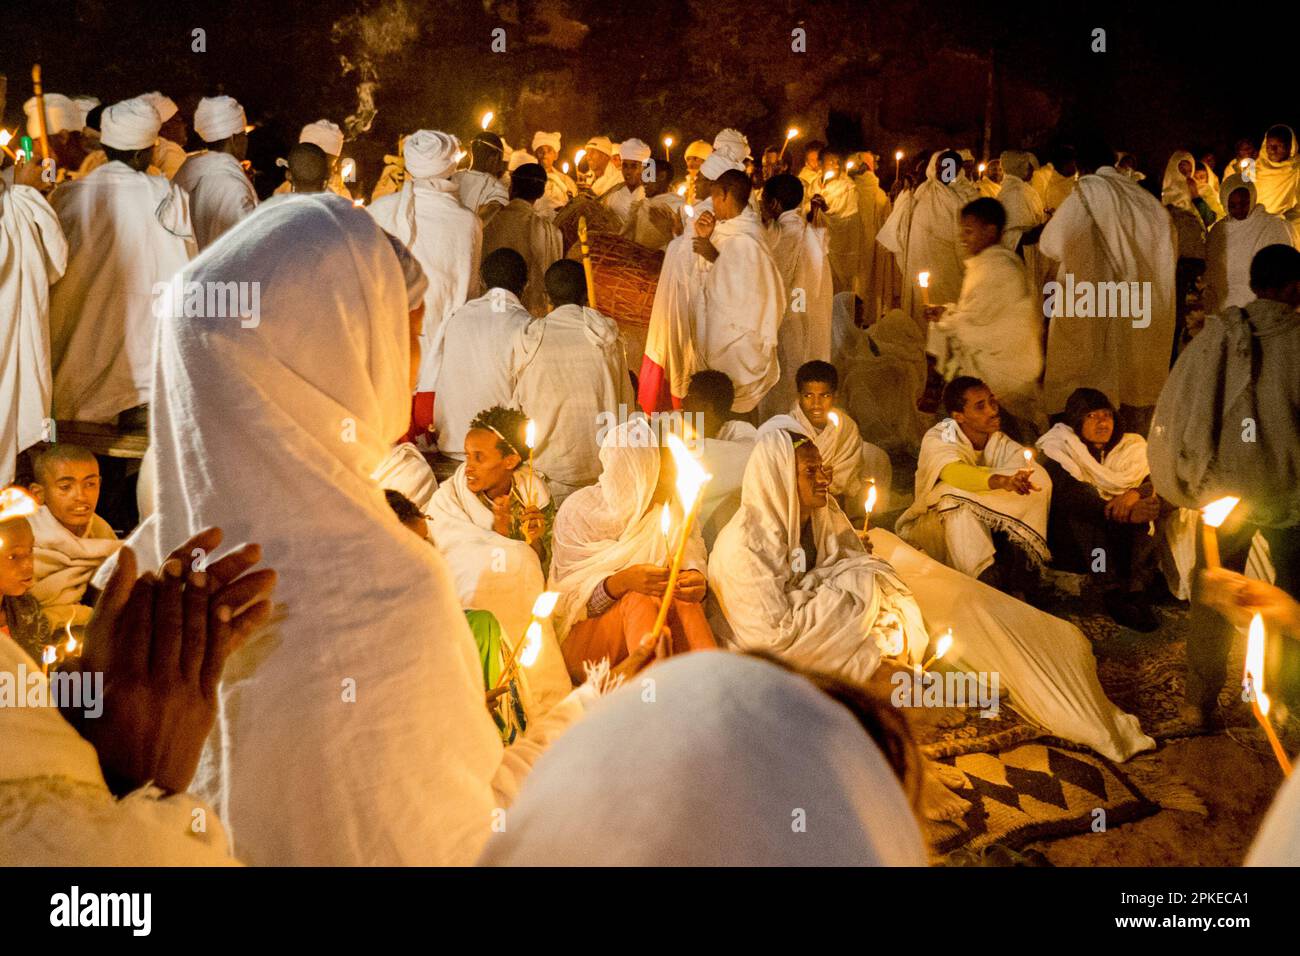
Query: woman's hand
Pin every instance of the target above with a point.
(1120, 507)
(1020, 482)
(1238, 598)
(532, 522)
(501, 515)
(690, 587)
(648, 579)
(1146, 510)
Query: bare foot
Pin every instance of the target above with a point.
(937, 801)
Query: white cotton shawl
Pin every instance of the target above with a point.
(709, 776)
(671, 336)
(499, 574)
(1173, 191)
(839, 616)
(127, 231)
(845, 228)
(1022, 517)
(1121, 469)
(446, 240)
(602, 529)
(841, 450)
(33, 254)
(220, 194)
(570, 375)
(1232, 245)
(1023, 206)
(801, 252)
(740, 312)
(353, 729)
(65, 564)
(1278, 184)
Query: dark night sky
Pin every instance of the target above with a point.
(646, 67)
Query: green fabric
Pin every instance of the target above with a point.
(491, 653)
(966, 477)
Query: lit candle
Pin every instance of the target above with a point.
(527, 650)
(849, 164)
(1029, 458)
(565, 166)
(530, 439)
(1213, 515)
(681, 190)
(487, 119)
(870, 506)
(48, 656)
(833, 418)
(690, 211)
(982, 167)
(358, 203)
(691, 478)
(666, 525)
(898, 158)
(16, 503)
(923, 280)
(71, 645)
(1253, 682)
(668, 147)
(942, 647)
(348, 170)
(790, 134)
(577, 157)
(828, 175)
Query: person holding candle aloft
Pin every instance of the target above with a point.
(611, 562)
(1241, 438)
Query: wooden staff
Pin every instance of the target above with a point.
(586, 261)
(40, 111)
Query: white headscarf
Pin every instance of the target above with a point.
(130, 124)
(430, 159)
(1123, 468)
(732, 144)
(324, 134)
(372, 653)
(633, 150)
(217, 117)
(61, 113)
(165, 105)
(1173, 192)
(717, 164)
(546, 139)
(714, 774)
(407, 471)
(1278, 184)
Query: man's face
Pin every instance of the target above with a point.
(994, 170)
(816, 399)
(693, 164)
(725, 205)
(69, 150)
(1276, 150)
(546, 156)
(486, 469)
(813, 160)
(831, 163)
(811, 479)
(17, 561)
(981, 415)
(71, 491)
(597, 161)
(1239, 203)
(1097, 426)
(976, 235)
(770, 164)
(1245, 149)
(239, 146)
(632, 169)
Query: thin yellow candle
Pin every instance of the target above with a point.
(941, 647)
(666, 526)
(530, 439)
(527, 650)
(923, 280)
(1253, 681)
(790, 134)
(691, 478)
(668, 148)
(1213, 515)
(870, 505)
(48, 656)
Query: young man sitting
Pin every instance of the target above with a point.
(71, 541)
(981, 500)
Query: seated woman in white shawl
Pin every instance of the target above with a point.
(1233, 242)
(611, 557)
(981, 500)
(372, 644)
(492, 521)
(855, 464)
(1103, 507)
(994, 331)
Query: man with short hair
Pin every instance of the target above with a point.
(981, 506)
(307, 169)
(519, 226)
(220, 194)
(71, 541)
(605, 176)
(811, 174)
(480, 189)
(635, 155)
(739, 312)
(128, 233)
(570, 374)
(473, 357)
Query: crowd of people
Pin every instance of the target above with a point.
(461, 478)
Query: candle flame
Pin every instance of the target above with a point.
(982, 167)
(16, 503)
(530, 434)
(348, 168)
(849, 164)
(681, 190)
(1215, 512)
(49, 654)
(690, 210)
(545, 604)
(828, 175)
(1029, 456)
(577, 157)
(791, 133)
(5, 137)
(1254, 675)
(666, 520)
(835, 419)
(898, 154)
(668, 142)
(565, 165)
(532, 645)
(71, 645)
(487, 119)
(358, 203)
(691, 477)
(871, 497)
(923, 279)
(943, 646)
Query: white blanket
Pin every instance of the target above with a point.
(65, 564)
(611, 525)
(392, 758)
(499, 574)
(954, 525)
(476, 189)
(446, 239)
(220, 194)
(570, 374)
(33, 254)
(127, 232)
(740, 310)
(839, 615)
(1232, 245)
(801, 253)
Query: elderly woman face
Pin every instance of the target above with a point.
(1097, 426)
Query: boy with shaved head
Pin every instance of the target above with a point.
(20, 613)
(71, 541)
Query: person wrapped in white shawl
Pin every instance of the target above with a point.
(371, 642)
(1277, 177)
(844, 223)
(876, 268)
(973, 481)
(444, 236)
(1233, 242)
(33, 255)
(789, 575)
(220, 193)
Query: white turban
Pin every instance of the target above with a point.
(519, 158)
(165, 105)
(60, 113)
(717, 164)
(600, 144)
(324, 134)
(217, 117)
(700, 149)
(733, 144)
(130, 124)
(633, 150)
(407, 471)
(429, 154)
(546, 139)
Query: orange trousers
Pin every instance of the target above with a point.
(621, 628)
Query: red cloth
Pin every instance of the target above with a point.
(421, 416)
(621, 628)
(652, 391)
